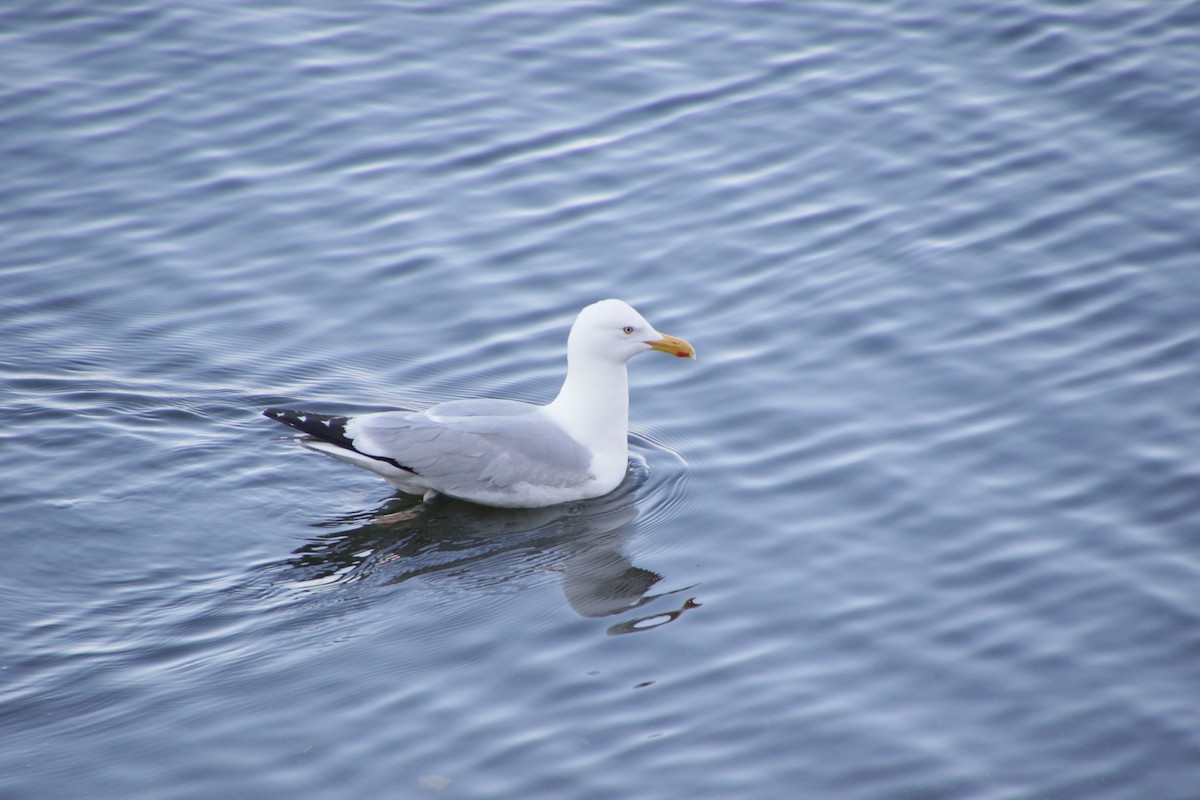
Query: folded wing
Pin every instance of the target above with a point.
(464, 454)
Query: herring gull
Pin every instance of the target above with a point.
(504, 452)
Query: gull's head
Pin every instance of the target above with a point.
(612, 330)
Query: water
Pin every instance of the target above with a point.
(920, 522)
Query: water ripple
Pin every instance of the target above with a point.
(931, 478)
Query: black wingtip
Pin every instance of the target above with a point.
(326, 428)
(297, 419)
(321, 426)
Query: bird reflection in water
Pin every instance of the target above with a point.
(475, 547)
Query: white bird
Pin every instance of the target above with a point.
(504, 452)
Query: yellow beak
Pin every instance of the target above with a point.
(673, 345)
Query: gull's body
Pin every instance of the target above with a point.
(504, 452)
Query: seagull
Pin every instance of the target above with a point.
(508, 453)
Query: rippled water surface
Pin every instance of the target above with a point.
(923, 520)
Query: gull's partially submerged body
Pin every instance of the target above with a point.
(504, 452)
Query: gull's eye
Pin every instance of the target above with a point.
(628, 329)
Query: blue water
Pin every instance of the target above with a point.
(922, 521)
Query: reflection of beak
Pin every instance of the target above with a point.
(673, 345)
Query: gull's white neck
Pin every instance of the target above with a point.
(593, 405)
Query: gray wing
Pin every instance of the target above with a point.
(481, 408)
(463, 454)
